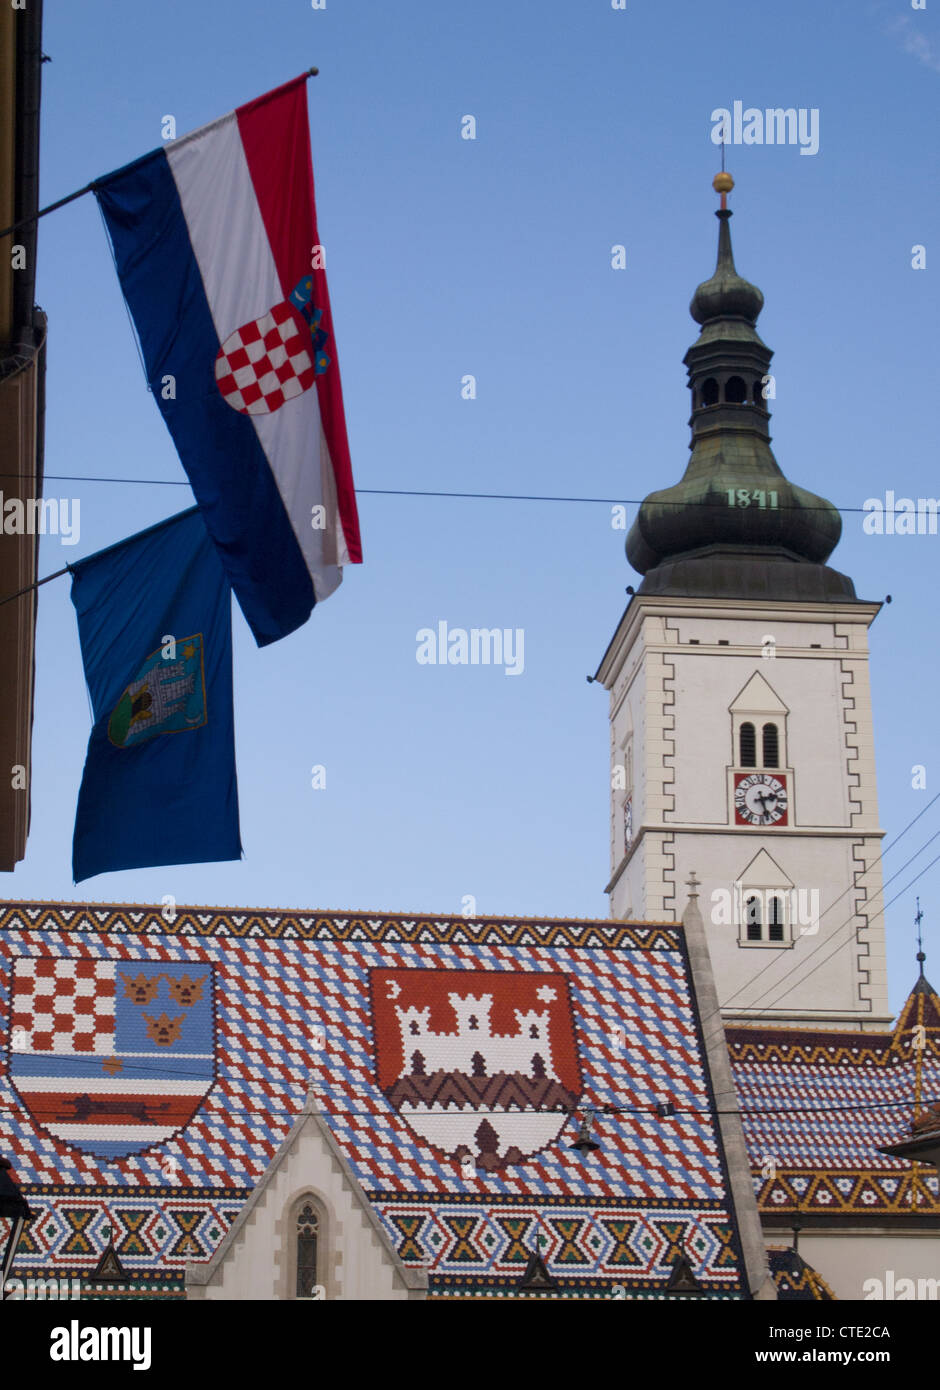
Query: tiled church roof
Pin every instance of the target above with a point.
(187, 1048)
(818, 1106)
(797, 1281)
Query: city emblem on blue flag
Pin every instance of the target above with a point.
(111, 1056)
(167, 695)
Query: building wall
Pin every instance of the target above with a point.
(850, 1261)
(22, 367)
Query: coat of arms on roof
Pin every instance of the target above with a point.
(482, 1065)
(111, 1057)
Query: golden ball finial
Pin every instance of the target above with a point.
(722, 183)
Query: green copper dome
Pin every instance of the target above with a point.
(734, 526)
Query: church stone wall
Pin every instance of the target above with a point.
(261, 1262)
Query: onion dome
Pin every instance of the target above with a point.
(734, 526)
(727, 294)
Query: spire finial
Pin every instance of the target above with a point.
(723, 183)
(693, 884)
(918, 918)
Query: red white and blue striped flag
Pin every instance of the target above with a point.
(216, 246)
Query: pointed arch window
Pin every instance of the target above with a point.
(308, 1231)
(771, 746)
(753, 918)
(764, 916)
(748, 741)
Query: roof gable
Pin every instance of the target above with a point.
(307, 1158)
(757, 697)
(764, 871)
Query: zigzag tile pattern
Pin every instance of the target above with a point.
(627, 1244)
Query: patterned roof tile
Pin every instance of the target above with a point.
(161, 1134)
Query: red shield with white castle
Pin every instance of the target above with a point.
(477, 1062)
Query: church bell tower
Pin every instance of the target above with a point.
(740, 711)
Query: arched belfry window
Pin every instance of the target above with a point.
(308, 1231)
(748, 740)
(735, 390)
(710, 392)
(759, 393)
(771, 746)
(753, 918)
(759, 716)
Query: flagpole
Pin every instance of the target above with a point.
(27, 221)
(70, 569)
(70, 198)
(29, 587)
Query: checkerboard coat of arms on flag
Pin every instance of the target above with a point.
(482, 1065)
(217, 248)
(111, 1057)
(271, 360)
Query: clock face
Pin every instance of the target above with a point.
(760, 798)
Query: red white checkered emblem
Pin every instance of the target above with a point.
(63, 1006)
(266, 362)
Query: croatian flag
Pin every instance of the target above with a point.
(216, 246)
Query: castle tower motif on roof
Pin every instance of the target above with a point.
(487, 1077)
(741, 729)
(475, 1049)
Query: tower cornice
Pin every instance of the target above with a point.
(643, 606)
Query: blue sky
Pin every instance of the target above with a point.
(492, 257)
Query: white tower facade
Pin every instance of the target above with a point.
(742, 745)
(742, 749)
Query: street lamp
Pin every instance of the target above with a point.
(15, 1208)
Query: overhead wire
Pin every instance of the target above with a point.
(852, 888)
(466, 496)
(877, 914)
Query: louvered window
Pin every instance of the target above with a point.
(771, 746)
(748, 746)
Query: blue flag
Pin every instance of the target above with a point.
(155, 625)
